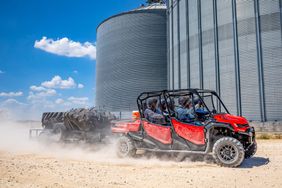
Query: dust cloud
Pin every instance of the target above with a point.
(14, 138)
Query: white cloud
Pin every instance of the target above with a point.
(73, 102)
(34, 107)
(79, 100)
(2, 72)
(60, 101)
(39, 93)
(41, 98)
(47, 93)
(38, 88)
(75, 72)
(11, 94)
(11, 102)
(12, 108)
(80, 86)
(66, 47)
(58, 82)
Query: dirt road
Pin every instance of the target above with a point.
(77, 168)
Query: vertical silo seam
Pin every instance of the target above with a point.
(178, 44)
(200, 45)
(216, 50)
(260, 62)
(280, 7)
(172, 42)
(168, 44)
(236, 57)
(187, 45)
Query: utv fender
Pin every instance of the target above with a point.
(209, 133)
(219, 125)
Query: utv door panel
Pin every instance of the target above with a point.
(190, 132)
(158, 132)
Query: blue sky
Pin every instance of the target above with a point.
(56, 72)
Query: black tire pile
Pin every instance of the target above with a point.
(50, 119)
(79, 119)
(87, 119)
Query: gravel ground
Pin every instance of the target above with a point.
(69, 166)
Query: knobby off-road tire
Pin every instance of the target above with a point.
(50, 118)
(88, 120)
(125, 147)
(228, 152)
(251, 151)
(53, 135)
(44, 134)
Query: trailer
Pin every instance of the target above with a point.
(80, 124)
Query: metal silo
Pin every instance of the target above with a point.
(231, 46)
(131, 57)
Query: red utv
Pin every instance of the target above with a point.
(211, 130)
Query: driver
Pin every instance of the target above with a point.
(152, 113)
(185, 112)
(200, 108)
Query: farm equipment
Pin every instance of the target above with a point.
(90, 125)
(209, 130)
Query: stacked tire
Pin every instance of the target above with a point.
(87, 119)
(81, 123)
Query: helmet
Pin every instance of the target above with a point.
(183, 100)
(152, 101)
(163, 102)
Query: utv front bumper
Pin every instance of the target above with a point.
(250, 133)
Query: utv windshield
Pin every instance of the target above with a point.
(212, 102)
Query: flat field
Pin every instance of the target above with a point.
(29, 164)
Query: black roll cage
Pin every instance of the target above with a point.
(167, 94)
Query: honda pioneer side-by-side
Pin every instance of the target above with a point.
(183, 122)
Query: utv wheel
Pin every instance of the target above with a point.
(125, 147)
(251, 151)
(228, 152)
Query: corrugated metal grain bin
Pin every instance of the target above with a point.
(231, 46)
(131, 57)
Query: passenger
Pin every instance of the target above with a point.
(165, 110)
(144, 106)
(185, 112)
(152, 114)
(163, 107)
(158, 110)
(171, 106)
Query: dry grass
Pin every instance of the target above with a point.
(267, 136)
